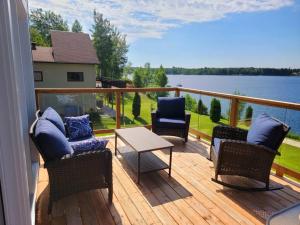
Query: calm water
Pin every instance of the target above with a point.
(277, 88)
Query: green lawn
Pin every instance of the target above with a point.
(289, 158)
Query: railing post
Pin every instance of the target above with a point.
(37, 102)
(234, 112)
(118, 110)
(177, 92)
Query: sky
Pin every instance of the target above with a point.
(196, 33)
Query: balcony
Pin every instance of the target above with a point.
(189, 196)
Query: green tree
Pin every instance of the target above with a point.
(136, 105)
(201, 108)
(190, 103)
(36, 37)
(249, 113)
(111, 47)
(127, 70)
(137, 78)
(45, 21)
(161, 77)
(76, 27)
(241, 106)
(215, 110)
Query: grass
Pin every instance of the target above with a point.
(289, 158)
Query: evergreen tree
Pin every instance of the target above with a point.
(215, 110)
(249, 113)
(136, 105)
(137, 78)
(76, 27)
(201, 109)
(161, 77)
(190, 103)
(111, 47)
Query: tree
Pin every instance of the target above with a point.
(249, 113)
(45, 21)
(241, 106)
(111, 47)
(161, 77)
(36, 37)
(76, 27)
(190, 103)
(201, 108)
(127, 70)
(137, 78)
(215, 110)
(136, 105)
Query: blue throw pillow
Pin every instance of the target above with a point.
(266, 131)
(78, 127)
(89, 144)
(51, 141)
(171, 107)
(51, 115)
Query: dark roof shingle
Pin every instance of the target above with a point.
(69, 47)
(42, 54)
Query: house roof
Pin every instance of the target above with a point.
(69, 47)
(42, 54)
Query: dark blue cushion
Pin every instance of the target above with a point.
(170, 123)
(171, 107)
(78, 127)
(88, 144)
(266, 131)
(51, 141)
(51, 115)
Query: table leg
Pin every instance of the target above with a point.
(116, 147)
(139, 163)
(170, 161)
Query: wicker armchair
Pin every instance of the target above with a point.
(233, 155)
(170, 118)
(79, 172)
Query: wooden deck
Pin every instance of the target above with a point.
(189, 197)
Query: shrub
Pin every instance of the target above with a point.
(136, 105)
(215, 110)
(201, 108)
(190, 103)
(94, 116)
(249, 113)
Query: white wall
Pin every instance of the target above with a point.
(55, 75)
(16, 113)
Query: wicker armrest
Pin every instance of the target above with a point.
(228, 132)
(82, 158)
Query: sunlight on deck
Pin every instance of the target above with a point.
(189, 197)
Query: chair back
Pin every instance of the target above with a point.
(171, 107)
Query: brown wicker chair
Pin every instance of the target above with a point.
(76, 173)
(239, 158)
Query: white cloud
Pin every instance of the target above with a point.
(152, 18)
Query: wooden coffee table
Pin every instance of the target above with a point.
(138, 152)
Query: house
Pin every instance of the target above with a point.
(69, 63)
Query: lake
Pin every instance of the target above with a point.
(270, 87)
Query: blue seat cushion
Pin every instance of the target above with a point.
(51, 141)
(171, 107)
(78, 127)
(88, 144)
(217, 143)
(266, 131)
(170, 123)
(51, 115)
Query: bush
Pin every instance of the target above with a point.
(136, 105)
(201, 108)
(215, 110)
(190, 103)
(249, 113)
(94, 116)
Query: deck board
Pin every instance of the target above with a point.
(188, 197)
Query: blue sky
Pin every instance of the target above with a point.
(197, 33)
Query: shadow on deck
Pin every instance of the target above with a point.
(188, 197)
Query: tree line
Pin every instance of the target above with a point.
(233, 71)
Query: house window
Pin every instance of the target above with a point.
(75, 76)
(38, 76)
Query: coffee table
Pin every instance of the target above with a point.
(138, 152)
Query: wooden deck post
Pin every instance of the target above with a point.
(37, 102)
(177, 92)
(234, 112)
(118, 110)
